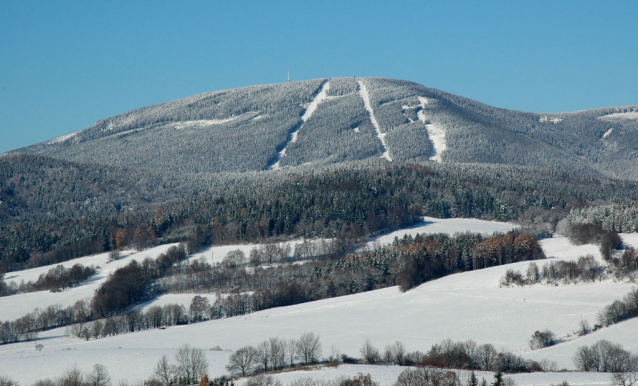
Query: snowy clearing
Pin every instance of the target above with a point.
(447, 225)
(200, 124)
(436, 133)
(552, 120)
(363, 92)
(63, 138)
(630, 115)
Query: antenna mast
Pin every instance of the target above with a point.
(288, 76)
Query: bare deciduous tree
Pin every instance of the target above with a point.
(243, 361)
(309, 347)
(99, 376)
(192, 364)
(369, 353)
(165, 372)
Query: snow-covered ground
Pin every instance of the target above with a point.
(387, 375)
(469, 305)
(633, 115)
(363, 92)
(447, 225)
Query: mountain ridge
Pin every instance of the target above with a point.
(246, 129)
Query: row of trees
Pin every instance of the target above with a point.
(620, 310)
(274, 354)
(56, 279)
(607, 357)
(585, 269)
(450, 354)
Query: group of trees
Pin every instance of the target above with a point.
(274, 354)
(449, 354)
(620, 310)
(605, 356)
(585, 269)
(56, 279)
(131, 284)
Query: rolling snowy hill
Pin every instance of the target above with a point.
(469, 305)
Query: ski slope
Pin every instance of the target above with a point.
(321, 97)
(435, 132)
(469, 305)
(363, 92)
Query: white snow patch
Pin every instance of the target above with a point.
(436, 133)
(608, 133)
(203, 123)
(363, 91)
(545, 118)
(312, 107)
(356, 129)
(632, 115)
(449, 226)
(63, 138)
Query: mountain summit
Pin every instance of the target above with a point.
(327, 121)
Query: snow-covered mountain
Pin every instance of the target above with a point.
(327, 121)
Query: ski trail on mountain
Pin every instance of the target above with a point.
(363, 92)
(436, 133)
(292, 137)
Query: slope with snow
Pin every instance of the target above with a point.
(435, 132)
(469, 305)
(363, 91)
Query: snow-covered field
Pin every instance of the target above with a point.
(469, 305)
(387, 375)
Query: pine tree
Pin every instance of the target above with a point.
(472, 381)
(498, 379)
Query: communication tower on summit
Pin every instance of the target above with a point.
(288, 76)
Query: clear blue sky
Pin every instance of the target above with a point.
(64, 65)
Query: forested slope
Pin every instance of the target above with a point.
(245, 130)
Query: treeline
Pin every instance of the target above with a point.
(27, 327)
(620, 310)
(361, 199)
(585, 269)
(131, 284)
(56, 279)
(407, 262)
(276, 353)
(607, 357)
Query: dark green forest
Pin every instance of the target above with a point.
(55, 210)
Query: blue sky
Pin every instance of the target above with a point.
(65, 65)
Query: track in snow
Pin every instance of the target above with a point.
(363, 92)
(436, 133)
(292, 137)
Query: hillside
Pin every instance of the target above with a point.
(469, 305)
(328, 121)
